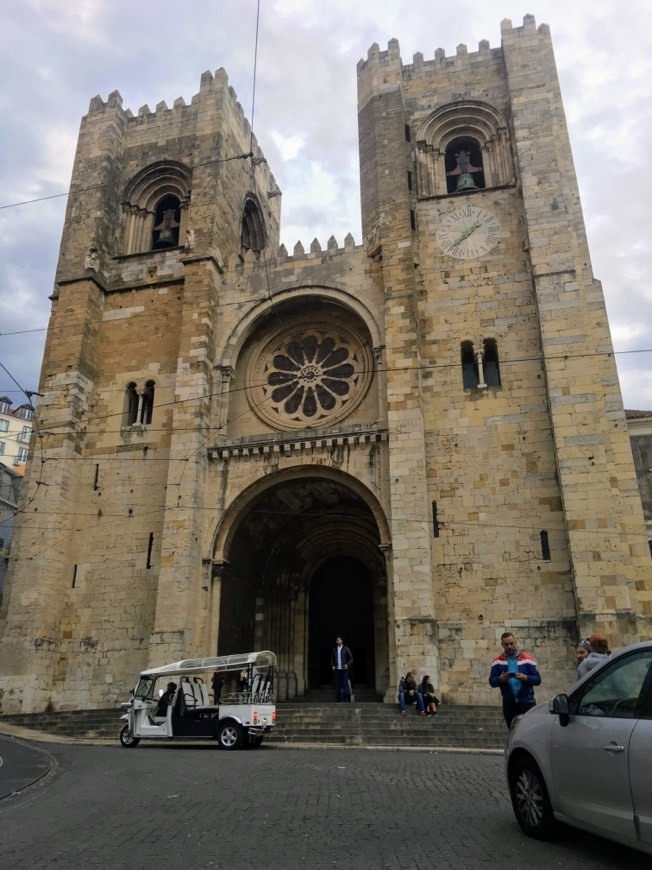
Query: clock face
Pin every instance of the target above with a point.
(468, 232)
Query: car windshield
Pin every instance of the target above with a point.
(615, 690)
(145, 687)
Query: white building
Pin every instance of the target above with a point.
(15, 432)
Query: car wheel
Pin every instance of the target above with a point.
(230, 735)
(127, 738)
(530, 801)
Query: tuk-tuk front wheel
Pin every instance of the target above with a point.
(230, 735)
(127, 738)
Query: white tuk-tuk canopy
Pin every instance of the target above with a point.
(261, 660)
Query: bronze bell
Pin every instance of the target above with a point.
(465, 182)
(165, 238)
(167, 230)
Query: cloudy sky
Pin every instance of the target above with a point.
(57, 54)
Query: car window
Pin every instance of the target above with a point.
(615, 690)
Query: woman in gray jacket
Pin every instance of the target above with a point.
(600, 652)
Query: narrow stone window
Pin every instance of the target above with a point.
(147, 403)
(74, 576)
(470, 376)
(409, 180)
(408, 135)
(150, 545)
(413, 219)
(130, 413)
(435, 521)
(545, 546)
(253, 226)
(490, 363)
(166, 223)
(96, 480)
(464, 169)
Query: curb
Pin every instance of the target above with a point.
(43, 737)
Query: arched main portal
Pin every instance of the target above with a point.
(302, 556)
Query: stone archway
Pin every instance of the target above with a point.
(293, 551)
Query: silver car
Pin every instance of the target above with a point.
(585, 758)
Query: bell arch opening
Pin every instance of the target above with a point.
(304, 564)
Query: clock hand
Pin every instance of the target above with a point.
(466, 234)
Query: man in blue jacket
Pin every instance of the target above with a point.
(515, 673)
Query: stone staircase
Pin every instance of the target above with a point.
(374, 724)
(315, 721)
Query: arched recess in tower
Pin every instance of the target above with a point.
(467, 136)
(301, 562)
(155, 207)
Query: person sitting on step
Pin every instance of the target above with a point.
(408, 694)
(430, 700)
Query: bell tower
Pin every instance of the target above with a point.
(505, 416)
(159, 203)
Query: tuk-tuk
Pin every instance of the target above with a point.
(173, 701)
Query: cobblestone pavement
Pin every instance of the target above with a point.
(192, 806)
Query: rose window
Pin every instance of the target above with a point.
(309, 377)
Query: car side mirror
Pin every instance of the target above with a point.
(559, 705)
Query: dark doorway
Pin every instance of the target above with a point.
(341, 603)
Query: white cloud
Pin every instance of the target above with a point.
(288, 146)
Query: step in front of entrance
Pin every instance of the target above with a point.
(381, 725)
(301, 722)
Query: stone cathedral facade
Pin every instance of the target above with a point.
(414, 442)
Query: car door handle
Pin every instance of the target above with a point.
(614, 747)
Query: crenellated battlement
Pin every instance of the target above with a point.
(316, 250)
(462, 57)
(250, 261)
(212, 87)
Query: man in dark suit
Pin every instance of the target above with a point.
(341, 661)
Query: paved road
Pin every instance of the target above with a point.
(190, 806)
(21, 765)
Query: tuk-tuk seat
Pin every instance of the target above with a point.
(195, 699)
(201, 691)
(188, 698)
